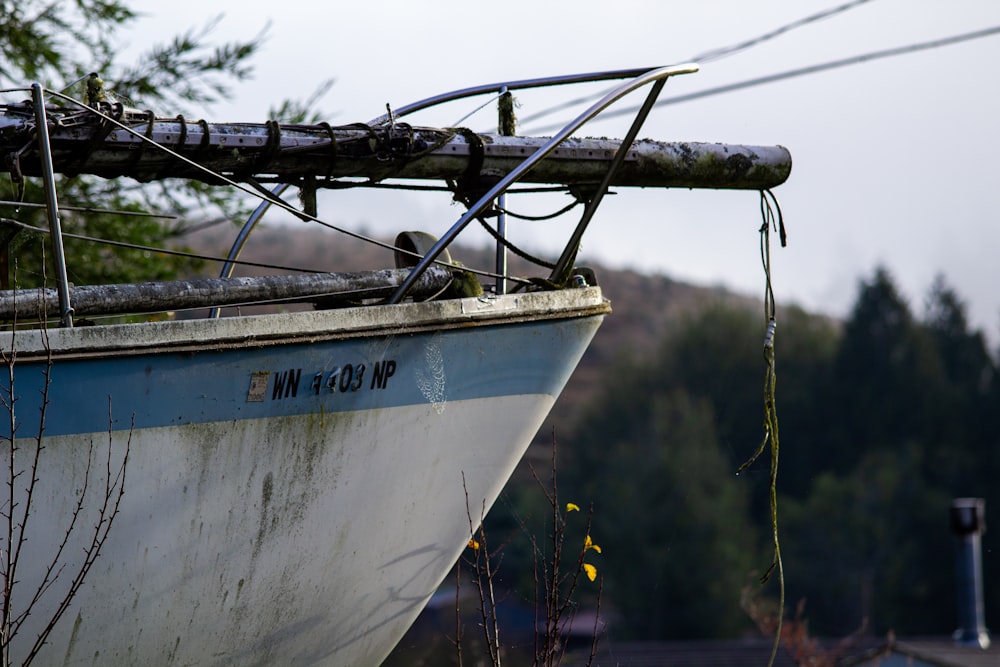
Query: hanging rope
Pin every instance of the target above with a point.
(541, 218)
(772, 218)
(523, 254)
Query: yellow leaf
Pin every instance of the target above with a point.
(590, 570)
(572, 507)
(589, 544)
(475, 545)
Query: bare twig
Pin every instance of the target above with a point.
(554, 586)
(457, 641)
(558, 587)
(113, 492)
(481, 563)
(21, 505)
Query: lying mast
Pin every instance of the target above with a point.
(117, 143)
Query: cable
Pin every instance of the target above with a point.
(248, 189)
(514, 249)
(812, 69)
(539, 218)
(718, 54)
(165, 251)
(211, 258)
(835, 64)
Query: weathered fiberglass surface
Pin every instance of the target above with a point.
(285, 503)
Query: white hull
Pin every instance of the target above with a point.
(301, 539)
(298, 541)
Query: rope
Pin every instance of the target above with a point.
(539, 218)
(513, 248)
(508, 120)
(772, 217)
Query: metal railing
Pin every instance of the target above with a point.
(657, 77)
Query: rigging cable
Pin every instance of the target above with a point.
(154, 249)
(509, 245)
(213, 258)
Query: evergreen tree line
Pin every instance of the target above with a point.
(884, 419)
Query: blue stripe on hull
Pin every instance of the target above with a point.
(166, 389)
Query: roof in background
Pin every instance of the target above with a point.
(868, 652)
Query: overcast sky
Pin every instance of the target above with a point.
(896, 161)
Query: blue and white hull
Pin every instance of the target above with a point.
(296, 486)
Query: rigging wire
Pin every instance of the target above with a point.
(212, 258)
(154, 249)
(506, 243)
(88, 209)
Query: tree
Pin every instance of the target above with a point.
(964, 448)
(58, 44)
(717, 355)
(672, 516)
(963, 351)
(965, 424)
(869, 549)
(910, 426)
(885, 377)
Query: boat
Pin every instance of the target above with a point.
(288, 487)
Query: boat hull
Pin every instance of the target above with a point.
(296, 486)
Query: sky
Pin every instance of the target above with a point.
(896, 161)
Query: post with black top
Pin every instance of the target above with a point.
(968, 522)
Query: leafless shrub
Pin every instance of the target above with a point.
(64, 572)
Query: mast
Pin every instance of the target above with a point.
(116, 144)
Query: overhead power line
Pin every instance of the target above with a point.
(722, 52)
(811, 69)
(833, 64)
(718, 53)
